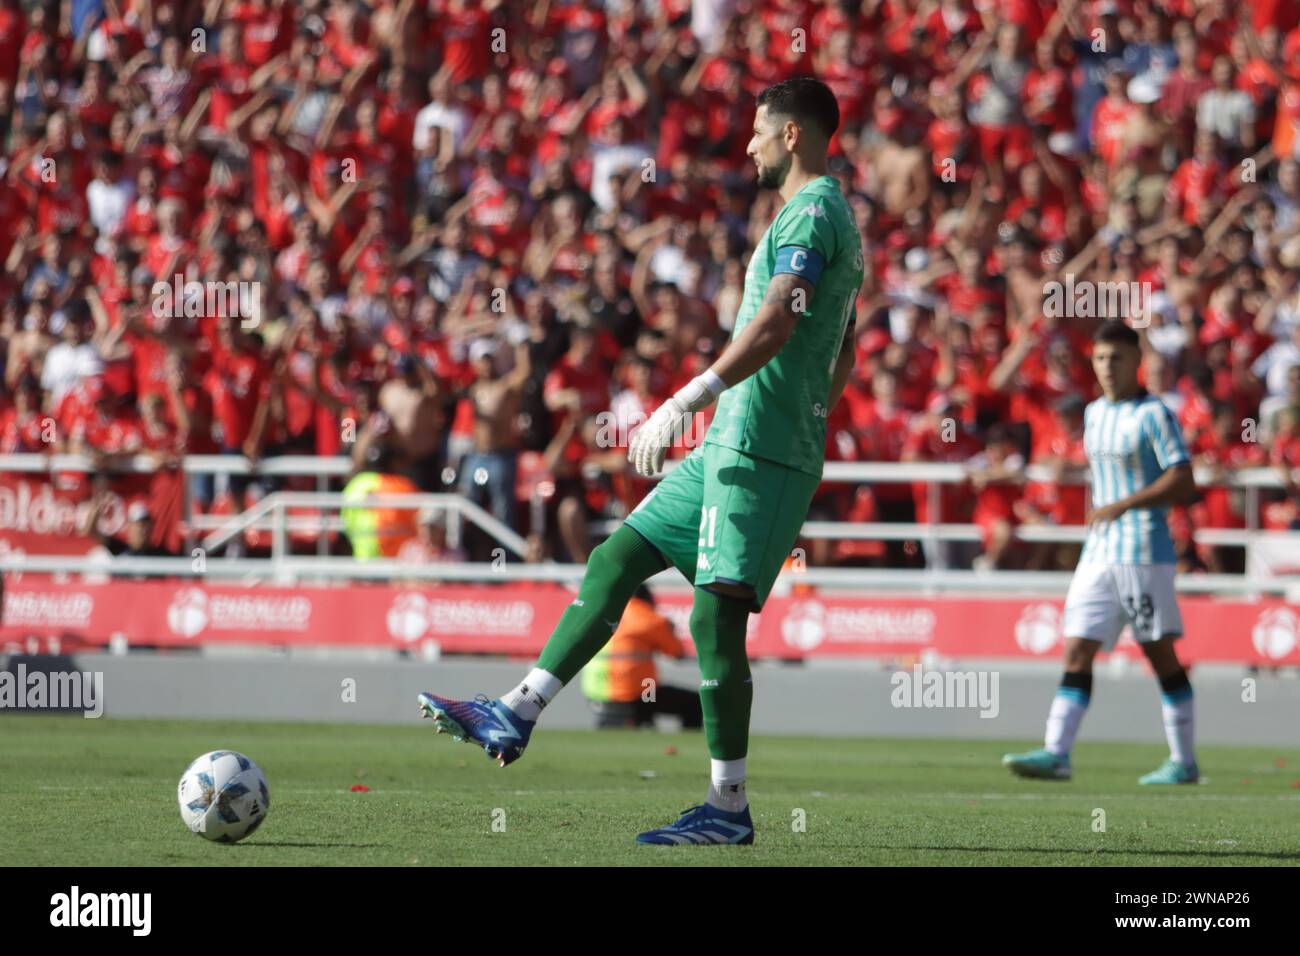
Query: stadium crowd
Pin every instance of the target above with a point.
(486, 237)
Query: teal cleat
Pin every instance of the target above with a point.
(1039, 764)
(1171, 771)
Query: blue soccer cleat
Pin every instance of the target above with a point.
(491, 724)
(702, 825)
(1171, 771)
(1039, 764)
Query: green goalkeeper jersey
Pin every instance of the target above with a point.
(779, 413)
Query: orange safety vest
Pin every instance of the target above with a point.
(619, 671)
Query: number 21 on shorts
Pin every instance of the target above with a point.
(709, 519)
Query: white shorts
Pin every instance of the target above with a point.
(1105, 597)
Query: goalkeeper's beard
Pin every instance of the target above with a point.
(773, 177)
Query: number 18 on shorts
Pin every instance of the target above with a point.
(1104, 597)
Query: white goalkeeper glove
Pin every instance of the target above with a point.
(650, 442)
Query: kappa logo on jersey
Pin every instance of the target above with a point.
(702, 563)
(813, 209)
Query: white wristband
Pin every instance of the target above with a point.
(712, 381)
(701, 391)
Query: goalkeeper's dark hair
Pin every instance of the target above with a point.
(805, 100)
(1116, 332)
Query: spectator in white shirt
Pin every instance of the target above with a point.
(443, 113)
(109, 197)
(1226, 110)
(1271, 368)
(72, 358)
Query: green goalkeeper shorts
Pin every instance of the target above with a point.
(725, 516)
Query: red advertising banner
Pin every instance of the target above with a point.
(517, 619)
(46, 514)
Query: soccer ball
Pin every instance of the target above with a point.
(223, 796)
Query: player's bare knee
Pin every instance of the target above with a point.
(1163, 656)
(1079, 654)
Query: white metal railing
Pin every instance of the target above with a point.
(274, 506)
(283, 466)
(855, 472)
(271, 514)
(306, 569)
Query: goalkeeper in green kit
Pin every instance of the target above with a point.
(729, 514)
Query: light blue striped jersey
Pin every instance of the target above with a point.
(1129, 445)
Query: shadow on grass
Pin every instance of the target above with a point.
(1099, 851)
(320, 846)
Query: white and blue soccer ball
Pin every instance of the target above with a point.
(223, 796)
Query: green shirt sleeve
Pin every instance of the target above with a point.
(807, 225)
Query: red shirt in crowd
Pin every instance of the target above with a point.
(461, 30)
(238, 383)
(927, 442)
(1063, 504)
(882, 435)
(267, 30)
(592, 384)
(24, 433)
(1108, 121)
(1193, 182)
(1224, 507)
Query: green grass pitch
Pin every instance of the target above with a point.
(103, 792)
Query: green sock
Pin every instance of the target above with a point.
(614, 571)
(726, 692)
